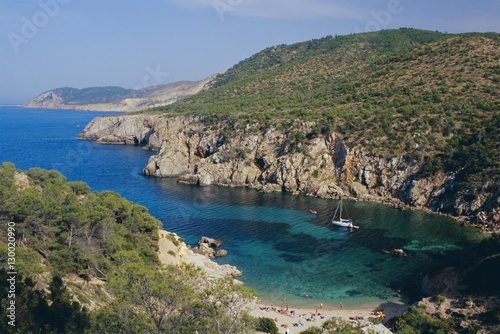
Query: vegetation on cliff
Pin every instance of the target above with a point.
(87, 262)
(73, 230)
(399, 91)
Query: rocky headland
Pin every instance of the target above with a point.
(117, 98)
(324, 165)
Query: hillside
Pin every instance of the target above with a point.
(76, 261)
(406, 91)
(116, 98)
(426, 98)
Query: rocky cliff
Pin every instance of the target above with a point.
(323, 165)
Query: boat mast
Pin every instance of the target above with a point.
(335, 213)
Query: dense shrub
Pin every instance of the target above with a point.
(267, 325)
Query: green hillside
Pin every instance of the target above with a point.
(361, 46)
(86, 262)
(93, 95)
(426, 96)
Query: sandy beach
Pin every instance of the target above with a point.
(301, 318)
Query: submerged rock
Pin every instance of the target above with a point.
(221, 253)
(396, 251)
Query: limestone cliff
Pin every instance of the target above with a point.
(324, 166)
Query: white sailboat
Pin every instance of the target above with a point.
(342, 222)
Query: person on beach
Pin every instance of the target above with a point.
(340, 305)
(321, 305)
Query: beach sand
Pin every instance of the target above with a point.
(302, 313)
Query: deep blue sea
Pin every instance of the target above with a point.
(282, 249)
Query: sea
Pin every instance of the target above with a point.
(282, 248)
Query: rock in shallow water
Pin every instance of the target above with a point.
(210, 241)
(221, 253)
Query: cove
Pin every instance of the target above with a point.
(282, 249)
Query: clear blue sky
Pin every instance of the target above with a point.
(45, 44)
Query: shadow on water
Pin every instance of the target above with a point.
(280, 246)
(376, 239)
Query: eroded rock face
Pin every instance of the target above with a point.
(210, 242)
(322, 166)
(129, 130)
(206, 250)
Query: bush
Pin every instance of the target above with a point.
(492, 316)
(339, 326)
(312, 330)
(439, 299)
(266, 325)
(173, 239)
(416, 320)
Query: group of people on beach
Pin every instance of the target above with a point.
(284, 310)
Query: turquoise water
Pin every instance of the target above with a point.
(282, 249)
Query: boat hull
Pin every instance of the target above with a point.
(343, 223)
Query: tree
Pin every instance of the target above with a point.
(226, 304)
(120, 318)
(160, 294)
(39, 312)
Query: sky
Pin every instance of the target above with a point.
(46, 44)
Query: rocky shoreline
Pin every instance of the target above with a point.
(321, 166)
(173, 251)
